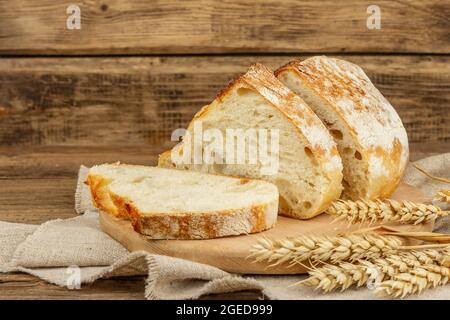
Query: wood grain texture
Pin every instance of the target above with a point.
(53, 162)
(211, 26)
(29, 176)
(41, 187)
(19, 286)
(140, 100)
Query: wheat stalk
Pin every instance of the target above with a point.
(429, 175)
(323, 248)
(388, 210)
(443, 196)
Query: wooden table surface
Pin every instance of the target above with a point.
(38, 184)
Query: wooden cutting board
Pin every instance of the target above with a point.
(230, 253)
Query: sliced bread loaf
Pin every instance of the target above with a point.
(309, 169)
(369, 133)
(174, 204)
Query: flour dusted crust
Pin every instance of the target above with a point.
(184, 225)
(323, 149)
(371, 120)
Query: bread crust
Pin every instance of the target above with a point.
(164, 160)
(209, 225)
(346, 79)
(101, 197)
(184, 225)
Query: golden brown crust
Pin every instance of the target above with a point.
(338, 82)
(384, 186)
(185, 225)
(121, 205)
(189, 225)
(100, 194)
(224, 92)
(164, 160)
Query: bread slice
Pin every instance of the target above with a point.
(370, 136)
(309, 167)
(173, 204)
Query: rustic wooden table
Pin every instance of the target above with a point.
(136, 70)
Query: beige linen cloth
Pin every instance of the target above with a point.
(58, 250)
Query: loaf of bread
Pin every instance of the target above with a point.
(174, 204)
(369, 133)
(309, 172)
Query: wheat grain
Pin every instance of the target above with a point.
(331, 277)
(388, 210)
(344, 275)
(416, 272)
(421, 273)
(420, 264)
(397, 275)
(323, 248)
(440, 257)
(443, 196)
(415, 281)
(404, 284)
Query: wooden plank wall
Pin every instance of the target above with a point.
(139, 69)
(223, 26)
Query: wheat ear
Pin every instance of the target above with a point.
(414, 281)
(323, 248)
(396, 275)
(440, 257)
(443, 196)
(344, 275)
(419, 269)
(388, 210)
